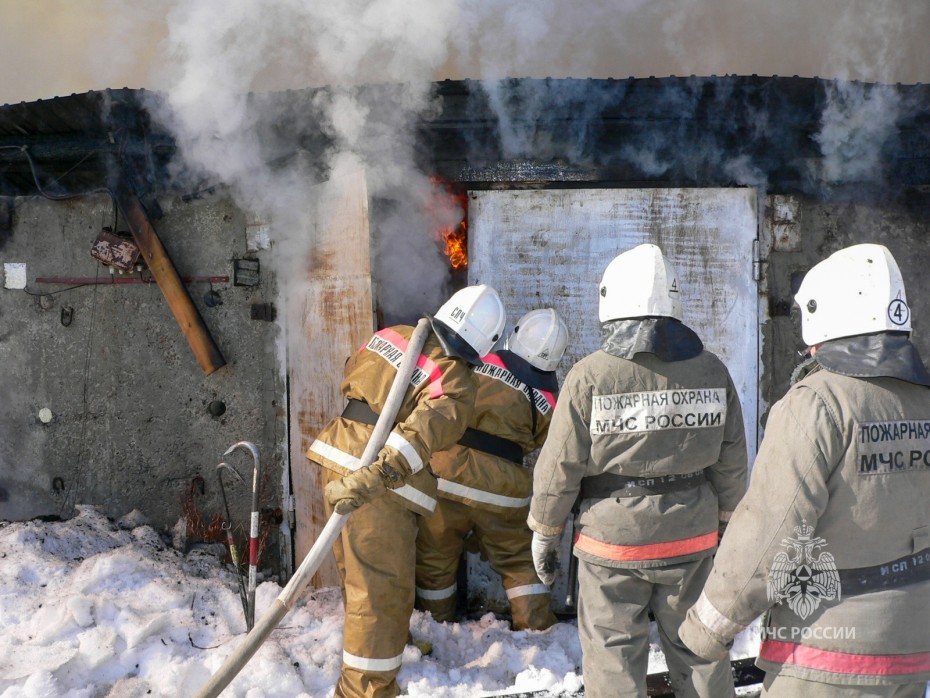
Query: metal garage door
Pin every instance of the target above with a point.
(550, 248)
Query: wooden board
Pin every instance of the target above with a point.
(333, 319)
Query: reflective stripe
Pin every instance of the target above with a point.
(436, 594)
(527, 590)
(843, 662)
(428, 368)
(366, 664)
(349, 462)
(406, 450)
(650, 551)
(495, 360)
(724, 516)
(718, 623)
(450, 487)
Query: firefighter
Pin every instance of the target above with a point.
(832, 541)
(376, 554)
(484, 488)
(648, 432)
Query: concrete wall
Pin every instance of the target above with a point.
(131, 426)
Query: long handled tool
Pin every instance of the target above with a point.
(288, 597)
(231, 541)
(253, 528)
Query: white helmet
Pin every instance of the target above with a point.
(638, 283)
(858, 290)
(476, 314)
(539, 338)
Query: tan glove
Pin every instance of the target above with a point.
(350, 492)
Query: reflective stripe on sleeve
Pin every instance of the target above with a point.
(716, 622)
(349, 462)
(527, 590)
(406, 450)
(365, 664)
(437, 594)
(450, 487)
(844, 662)
(724, 516)
(650, 551)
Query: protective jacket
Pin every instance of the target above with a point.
(505, 408)
(376, 552)
(484, 492)
(655, 448)
(432, 417)
(832, 540)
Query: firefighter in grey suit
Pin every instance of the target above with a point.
(649, 431)
(832, 541)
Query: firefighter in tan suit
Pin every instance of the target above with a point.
(832, 541)
(376, 553)
(649, 431)
(484, 489)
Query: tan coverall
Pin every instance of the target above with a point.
(649, 419)
(832, 541)
(376, 555)
(488, 496)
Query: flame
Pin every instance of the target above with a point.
(456, 240)
(454, 237)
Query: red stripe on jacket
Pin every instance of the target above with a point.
(423, 362)
(649, 551)
(843, 662)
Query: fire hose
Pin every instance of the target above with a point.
(302, 575)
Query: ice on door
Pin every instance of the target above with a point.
(550, 248)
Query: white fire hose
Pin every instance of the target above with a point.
(302, 575)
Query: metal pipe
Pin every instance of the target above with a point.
(125, 279)
(286, 599)
(231, 540)
(253, 525)
(169, 282)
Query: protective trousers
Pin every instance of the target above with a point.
(375, 556)
(504, 539)
(781, 686)
(613, 626)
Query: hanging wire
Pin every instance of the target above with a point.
(35, 177)
(82, 467)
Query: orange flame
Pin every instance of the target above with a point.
(454, 237)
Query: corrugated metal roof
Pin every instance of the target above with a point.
(656, 131)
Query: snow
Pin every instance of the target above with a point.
(95, 608)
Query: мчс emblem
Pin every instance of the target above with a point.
(803, 575)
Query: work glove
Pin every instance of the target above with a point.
(545, 551)
(350, 492)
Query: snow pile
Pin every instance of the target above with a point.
(95, 608)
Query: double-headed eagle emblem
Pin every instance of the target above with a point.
(803, 575)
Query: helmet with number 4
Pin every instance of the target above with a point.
(857, 290)
(540, 338)
(639, 283)
(470, 322)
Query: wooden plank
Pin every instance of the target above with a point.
(335, 319)
(169, 282)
